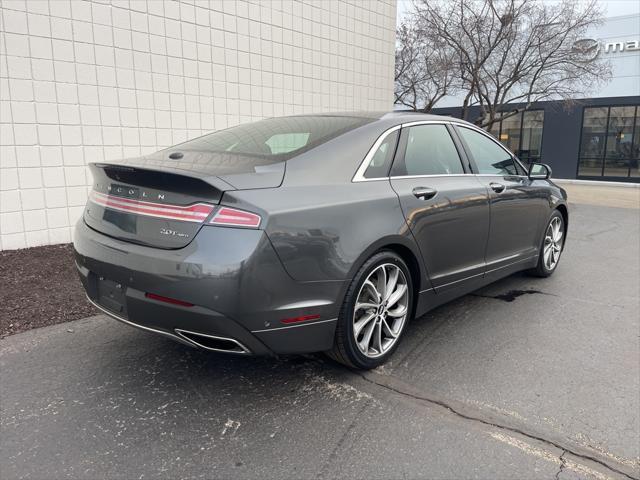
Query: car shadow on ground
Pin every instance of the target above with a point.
(178, 366)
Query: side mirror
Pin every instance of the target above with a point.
(539, 171)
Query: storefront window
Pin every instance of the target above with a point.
(531, 143)
(609, 145)
(594, 131)
(522, 134)
(634, 163)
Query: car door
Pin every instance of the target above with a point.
(445, 206)
(516, 203)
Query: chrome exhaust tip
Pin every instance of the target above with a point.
(213, 343)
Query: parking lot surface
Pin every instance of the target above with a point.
(527, 378)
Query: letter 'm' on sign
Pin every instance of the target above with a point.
(614, 46)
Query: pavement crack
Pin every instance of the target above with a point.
(333, 456)
(386, 383)
(563, 465)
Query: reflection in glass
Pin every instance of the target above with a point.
(609, 144)
(634, 163)
(531, 136)
(619, 138)
(522, 134)
(510, 133)
(594, 129)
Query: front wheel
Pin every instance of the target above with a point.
(551, 248)
(375, 311)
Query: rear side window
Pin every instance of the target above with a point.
(275, 139)
(382, 158)
(489, 157)
(429, 150)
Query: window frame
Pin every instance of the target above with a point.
(603, 156)
(516, 161)
(364, 165)
(468, 166)
(467, 163)
(374, 150)
(521, 115)
(402, 149)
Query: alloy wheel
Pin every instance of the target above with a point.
(553, 243)
(381, 310)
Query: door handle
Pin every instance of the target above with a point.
(497, 187)
(424, 193)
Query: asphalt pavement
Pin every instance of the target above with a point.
(527, 378)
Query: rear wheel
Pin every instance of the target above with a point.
(376, 309)
(551, 248)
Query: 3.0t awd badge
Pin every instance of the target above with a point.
(173, 233)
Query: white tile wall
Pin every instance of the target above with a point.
(83, 81)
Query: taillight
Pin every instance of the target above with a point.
(233, 217)
(193, 213)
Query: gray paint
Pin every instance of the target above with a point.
(317, 229)
(96, 399)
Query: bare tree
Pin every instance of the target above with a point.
(423, 74)
(508, 54)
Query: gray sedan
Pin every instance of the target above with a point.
(313, 233)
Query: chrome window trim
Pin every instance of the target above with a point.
(499, 175)
(359, 175)
(400, 177)
(425, 122)
(492, 138)
(486, 134)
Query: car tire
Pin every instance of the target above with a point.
(389, 321)
(553, 243)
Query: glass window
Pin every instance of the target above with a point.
(489, 157)
(531, 141)
(634, 163)
(510, 133)
(287, 142)
(381, 160)
(429, 151)
(594, 131)
(275, 139)
(609, 144)
(522, 134)
(619, 138)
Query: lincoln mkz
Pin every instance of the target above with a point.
(313, 233)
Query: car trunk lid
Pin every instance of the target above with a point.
(160, 203)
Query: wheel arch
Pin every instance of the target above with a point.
(564, 211)
(407, 250)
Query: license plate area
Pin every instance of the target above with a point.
(111, 295)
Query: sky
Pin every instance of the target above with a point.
(613, 8)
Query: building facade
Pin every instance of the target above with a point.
(84, 81)
(594, 138)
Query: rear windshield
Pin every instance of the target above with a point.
(275, 139)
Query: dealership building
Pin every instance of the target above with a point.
(84, 81)
(593, 138)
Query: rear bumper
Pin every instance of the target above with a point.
(238, 290)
